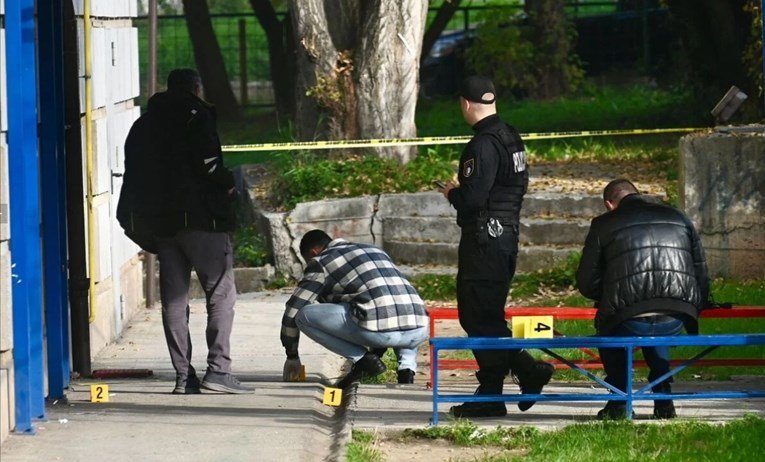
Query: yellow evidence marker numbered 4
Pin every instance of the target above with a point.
(99, 393)
(532, 326)
(333, 396)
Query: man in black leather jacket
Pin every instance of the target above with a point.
(493, 177)
(644, 265)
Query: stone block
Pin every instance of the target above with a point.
(556, 231)
(425, 229)
(6, 302)
(562, 205)
(415, 253)
(355, 208)
(424, 204)
(722, 189)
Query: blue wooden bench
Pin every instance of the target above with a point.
(711, 342)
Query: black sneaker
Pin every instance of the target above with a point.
(186, 385)
(405, 376)
(368, 366)
(473, 410)
(224, 382)
(614, 410)
(532, 382)
(664, 410)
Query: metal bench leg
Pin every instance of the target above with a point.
(434, 378)
(629, 382)
(584, 372)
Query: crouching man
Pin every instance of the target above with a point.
(644, 265)
(353, 299)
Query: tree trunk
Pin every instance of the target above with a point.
(207, 55)
(281, 55)
(714, 35)
(358, 69)
(443, 16)
(550, 35)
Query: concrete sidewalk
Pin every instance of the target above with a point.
(143, 421)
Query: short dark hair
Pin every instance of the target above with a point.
(617, 189)
(184, 79)
(314, 238)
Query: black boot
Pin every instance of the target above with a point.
(663, 408)
(532, 375)
(489, 386)
(614, 410)
(368, 366)
(405, 376)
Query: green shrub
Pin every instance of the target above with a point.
(250, 248)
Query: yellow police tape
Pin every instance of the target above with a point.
(435, 140)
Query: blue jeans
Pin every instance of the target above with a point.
(332, 326)
(657, 358)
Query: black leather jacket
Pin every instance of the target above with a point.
(642, 258)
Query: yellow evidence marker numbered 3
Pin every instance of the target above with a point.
(333, 396)
(99, 393)
(532, 326)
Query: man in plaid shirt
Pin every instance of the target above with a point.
(352, 298)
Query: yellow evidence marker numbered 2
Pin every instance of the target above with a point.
(99, 393)
(333, 396)
(532, 326)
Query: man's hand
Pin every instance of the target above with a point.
(292, 368)
(445, 190)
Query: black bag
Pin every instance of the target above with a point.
(140, 208)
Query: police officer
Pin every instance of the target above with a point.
(493, 177)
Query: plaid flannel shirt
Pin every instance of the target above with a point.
(363, 276)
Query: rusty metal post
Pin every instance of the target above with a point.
(151, 259)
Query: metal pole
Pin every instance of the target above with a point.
(243, 62)
(51, 61)
(151, 259)
(24, 185)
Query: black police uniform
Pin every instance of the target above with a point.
(493, 178)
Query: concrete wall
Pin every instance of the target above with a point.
(420, 228)
(6, 314)
(722, 189)
(118, 270)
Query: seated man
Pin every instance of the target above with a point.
(644, 265)
(352, 298)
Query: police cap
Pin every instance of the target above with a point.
(478, 89)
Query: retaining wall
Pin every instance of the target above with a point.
(722, 189)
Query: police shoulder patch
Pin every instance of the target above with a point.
(468, 167)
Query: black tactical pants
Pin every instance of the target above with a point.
(486, 268)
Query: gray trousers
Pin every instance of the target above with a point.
(210, 255)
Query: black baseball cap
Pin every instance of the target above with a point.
(478, 89)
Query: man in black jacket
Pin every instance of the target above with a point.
(644, 265)
(493, 177)
(194, 215)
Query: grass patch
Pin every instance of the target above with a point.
(311, 176)
(699, 441)
(361, 448)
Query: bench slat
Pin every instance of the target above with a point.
(502, 343)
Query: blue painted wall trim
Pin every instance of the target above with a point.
(50, 17)
(24, 183)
